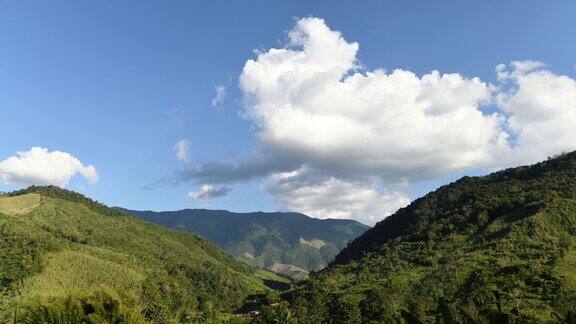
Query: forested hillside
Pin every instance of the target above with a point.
(67, 258)
(287, 243)
(498, 248)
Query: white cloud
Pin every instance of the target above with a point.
(542, 110)
(308, 102)
(182, 149)
(38, 166)
(207, 192)
(219, 97)
(330, 197)
(517, 68)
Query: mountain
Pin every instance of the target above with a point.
(62, 254)
(499, 248)
(288, 243)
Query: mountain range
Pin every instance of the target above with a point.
(288, 243)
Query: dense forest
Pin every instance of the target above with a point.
(498, 248)
(289, 243)
(67, 259)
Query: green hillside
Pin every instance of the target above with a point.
(499, 248)
(62, 253)
(289, 243)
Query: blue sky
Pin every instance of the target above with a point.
(117, 83)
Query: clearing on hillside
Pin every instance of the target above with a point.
(19, 204)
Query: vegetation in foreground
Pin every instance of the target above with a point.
(66, 259)
(499, 248)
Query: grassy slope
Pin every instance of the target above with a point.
(511, 234)
(67, 245)
(20, 204)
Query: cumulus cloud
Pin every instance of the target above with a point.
(38, 166)
(208, 192)
(315, 108)
(308, 102)
(330, 197)
(310, 106)
(219, 97)
(182, 149)
(541, 107)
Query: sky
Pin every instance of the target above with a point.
(338, 109)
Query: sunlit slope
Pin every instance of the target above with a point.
(493, 248)
(20, 204)
(67, 246)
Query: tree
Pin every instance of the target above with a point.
(345, 311)
(373, 307)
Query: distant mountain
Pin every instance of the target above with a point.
(67, 259)
(494, 249)
(287, 243)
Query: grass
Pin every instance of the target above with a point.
(72, 272)
(19, 205)
(567, 269)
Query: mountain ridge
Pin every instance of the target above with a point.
(279, 240)
(265, 213)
